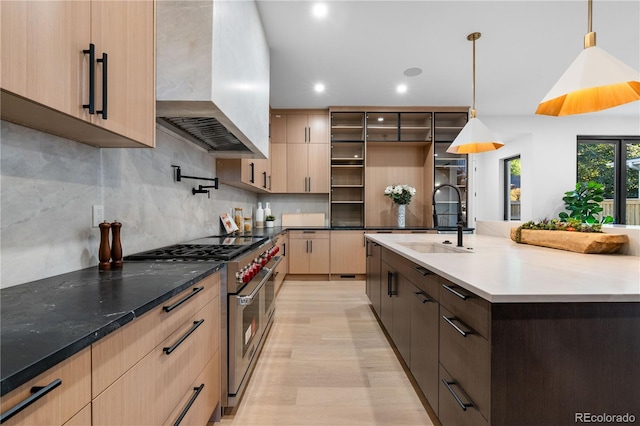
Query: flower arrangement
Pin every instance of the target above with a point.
(400, 194)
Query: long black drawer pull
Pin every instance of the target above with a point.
(463, 405)
(173, 347)
(92, 79)
(264, 178)
(460, 295)
(423, 271)
(253, 169)
(184, 299)
(37, 393)
(189, 404)
(421, 297)
(458, 329)
(104, 86)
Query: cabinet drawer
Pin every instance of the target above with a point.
(455, 407)
(424, 279)
(59, 404)
(119, 351)
(148, 392)
(471, 309)
(308, 235)
(467, 358)
(196, 407)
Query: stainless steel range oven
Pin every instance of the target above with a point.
(247, 299)
(251, 305)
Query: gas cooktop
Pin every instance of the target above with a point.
(209, 248)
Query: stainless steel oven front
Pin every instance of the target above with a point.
(250, 313)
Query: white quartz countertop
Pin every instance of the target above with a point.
(502, 271)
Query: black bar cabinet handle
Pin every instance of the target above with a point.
(311, 243)
(269, 182)
(173, 347)
(104, 86)
(284, 249)
(460, 295)
(390, 291)
(462, 405)
(423, 271)
(421, 297)
(184, 299)
(92, 79)
(252, 166)
(37, 393)
(189, 404)
(264, 178)
(458, 329)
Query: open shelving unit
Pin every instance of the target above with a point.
(372, 147)
(347, 168)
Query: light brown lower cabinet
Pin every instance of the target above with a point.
(309, 252)
(70, 390)
(348, 252)
(152, 389)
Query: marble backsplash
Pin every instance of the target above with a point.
(49, 185)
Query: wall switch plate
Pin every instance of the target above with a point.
(98, 215)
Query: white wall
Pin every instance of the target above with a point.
(547, 146)
(49, 185)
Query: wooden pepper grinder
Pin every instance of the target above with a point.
(104, 253)
(116, 245)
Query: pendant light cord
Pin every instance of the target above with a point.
(473, 37)
(590, 37)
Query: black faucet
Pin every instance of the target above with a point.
(460, 222)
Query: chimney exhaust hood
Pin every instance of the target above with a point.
(212, 76)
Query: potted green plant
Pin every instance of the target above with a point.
(583, 204)
(269, 221)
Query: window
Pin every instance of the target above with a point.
(613, 162)
(512, 188)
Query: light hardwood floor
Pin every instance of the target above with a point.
(327, 362)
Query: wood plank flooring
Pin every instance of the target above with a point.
(327, 362)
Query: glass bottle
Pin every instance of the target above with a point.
(238, 217)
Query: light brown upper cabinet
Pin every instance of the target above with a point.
(308, 168)
(308, 128)
(278, 124)
(247, 173)
(102, 62)
(278, 158)
(300, 151)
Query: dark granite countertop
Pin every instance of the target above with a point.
(46, 321)
(268, 232)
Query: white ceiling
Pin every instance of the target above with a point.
(361, 49)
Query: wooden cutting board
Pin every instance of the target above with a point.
(303, 219)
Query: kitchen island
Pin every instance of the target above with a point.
(503, 334)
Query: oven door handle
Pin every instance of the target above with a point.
(248, 299)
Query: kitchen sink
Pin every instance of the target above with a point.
(424, 247)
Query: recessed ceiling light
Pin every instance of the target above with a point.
(412, 72)
(380, 119)
(320, 10)
(402, 88)
(319, 87)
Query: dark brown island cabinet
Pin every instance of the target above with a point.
(504, 364)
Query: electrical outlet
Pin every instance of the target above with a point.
(98, 215)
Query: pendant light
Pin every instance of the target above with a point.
(475, 137)
(594, 81)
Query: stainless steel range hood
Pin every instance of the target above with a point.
(212, 77)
